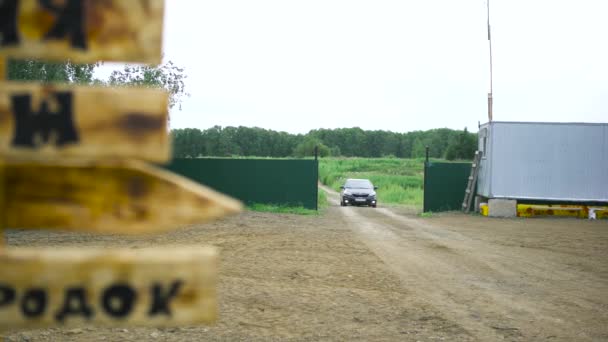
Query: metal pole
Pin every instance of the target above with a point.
(426, 165)
(317, 179)
(491, 93)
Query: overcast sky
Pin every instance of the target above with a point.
(398, 65)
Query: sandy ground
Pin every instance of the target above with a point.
(384, 274)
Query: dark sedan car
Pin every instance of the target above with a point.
(358, 192)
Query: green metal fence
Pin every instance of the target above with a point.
(444, 185)
(270, 181)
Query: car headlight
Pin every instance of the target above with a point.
(346, 192)
(373, 194)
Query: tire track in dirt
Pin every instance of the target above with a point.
(489, 290)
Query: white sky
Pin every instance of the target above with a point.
(397, 65)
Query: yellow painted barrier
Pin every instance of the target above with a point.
(535, 210)
(580, 211)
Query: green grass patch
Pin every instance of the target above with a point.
(281, 209)
(322, 204)
(399, 181)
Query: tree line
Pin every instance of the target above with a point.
(253, 141)
(167, 76)
(230, 141)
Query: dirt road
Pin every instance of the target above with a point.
(384, 274)
(494, 288)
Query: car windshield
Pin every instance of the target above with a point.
(358, 184)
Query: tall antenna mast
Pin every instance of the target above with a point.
(490, 98)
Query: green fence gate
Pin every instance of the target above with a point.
(444, 185)
(291, 182)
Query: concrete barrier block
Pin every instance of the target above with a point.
(502, 208)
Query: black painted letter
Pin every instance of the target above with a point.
(7, 295)
(74, 303)
(28, 124)
(8, 23)
(160, 300)
(33, 303)
(123, 295)
(69, 20)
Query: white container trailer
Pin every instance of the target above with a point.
(538, 161)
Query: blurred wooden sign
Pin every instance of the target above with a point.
(150, 287)
(84, 31)
(127, 197)
(43, 121)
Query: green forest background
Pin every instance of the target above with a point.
(342, 142)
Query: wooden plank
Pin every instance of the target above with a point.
(52, 122)
(3, 76)
(166, 286)
(84, 31)
(127, 197)
(2, 204)
(3, 68)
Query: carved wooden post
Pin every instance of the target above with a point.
(76, 158)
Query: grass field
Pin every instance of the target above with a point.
(399, 181)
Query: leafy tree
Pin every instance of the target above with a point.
(60, 72)
(187, 142)
(418, 149)
(226, 145)
(166, 76)
(404, 146)
(462, 146)
(437, 141)
(307, 148)
(335, 151)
